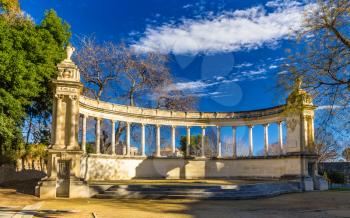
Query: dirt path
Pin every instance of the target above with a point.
(311, 204)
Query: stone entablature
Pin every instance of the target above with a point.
(105, 110)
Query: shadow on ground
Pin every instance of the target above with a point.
(36, 213)
(24, 187)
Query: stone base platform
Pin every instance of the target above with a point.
(75, 188)
(196, 189)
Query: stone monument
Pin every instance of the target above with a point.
(65, 153)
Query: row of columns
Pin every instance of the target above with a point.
(188, 139)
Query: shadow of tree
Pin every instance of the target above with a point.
(36, 213)
(24, 187)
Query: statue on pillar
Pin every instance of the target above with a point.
(69, 50)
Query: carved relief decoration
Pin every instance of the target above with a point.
(292, 123)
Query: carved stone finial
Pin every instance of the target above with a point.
(298, 82)
(70, 50)
(298, 95)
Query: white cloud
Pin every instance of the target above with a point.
(280, 59)
(282, 72)
(219, 78)
(245, 64)
(254, 72)
(329, 107)
(237, 30)
(187, 6)
(283, 4)
(194, 86)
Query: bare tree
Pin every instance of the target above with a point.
(122, 75)
(322, 60)
(99, 65)
(327, 148)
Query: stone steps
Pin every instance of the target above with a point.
(245, 191)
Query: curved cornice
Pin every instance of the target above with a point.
(105, 110)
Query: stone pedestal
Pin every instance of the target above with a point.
(63, 178)
(320, 183)
(307, 183)
(46, 188)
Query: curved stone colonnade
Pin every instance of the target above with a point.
(69, 166)
(100, 110)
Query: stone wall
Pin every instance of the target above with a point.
(107, 167)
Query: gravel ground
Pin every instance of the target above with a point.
(310, 204)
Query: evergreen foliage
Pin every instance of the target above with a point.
(28, 57)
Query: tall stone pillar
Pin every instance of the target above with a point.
(173, 140)
(57, 123)
(203, 141)
(74, 121)
(98, 135)
(218, 141)
(234, 142)
(143, 140)
(188, 141)
(128, 146)
(280, 137)
(250, 142)
(157, 141)
(266, 139)
(83, 140)
(64, 156)
(113, 137)
(299, 116)
(299, 121)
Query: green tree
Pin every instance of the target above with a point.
(57, 34)
(10, 5)
(28, 57)
(195, 144)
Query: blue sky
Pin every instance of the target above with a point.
(247, 68)
(227, 52)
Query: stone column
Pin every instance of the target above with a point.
(280, 138)
(250, 128)
(143, 140)
(73, 136)
(266, 139)
(303, 135)
(98, 135)
(312, 134)
(203, 141)
(173, 148)
(58, 121)
(188, 141)
(218, 141)
(53, 122)
(158, 141)
(128, 139)
(83, 140)
(234, 141)
(113, 137)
